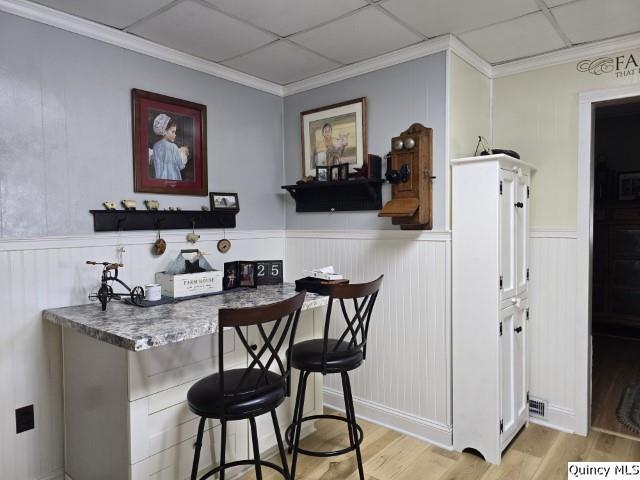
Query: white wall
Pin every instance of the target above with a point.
(65, 132)
(469, 108)
(50, 272)
(552, 323)
(406, 380)
(397, 97)
(536, 114)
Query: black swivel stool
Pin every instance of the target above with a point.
(328, 355)
(246, 393)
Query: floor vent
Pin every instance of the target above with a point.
(538, 407)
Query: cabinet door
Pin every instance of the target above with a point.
(522, 233)
(512, 371)
(508, 234)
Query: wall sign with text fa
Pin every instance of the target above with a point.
(269, 272)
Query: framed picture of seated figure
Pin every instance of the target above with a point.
(169, 145)
(334, 135)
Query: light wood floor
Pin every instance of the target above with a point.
(616, 365)
(537, 453)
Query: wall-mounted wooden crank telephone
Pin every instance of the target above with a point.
(409, 170)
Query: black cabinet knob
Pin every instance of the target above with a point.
(254, 347)
(519, 205)
(517, 329)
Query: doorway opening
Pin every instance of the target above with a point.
(615, 280)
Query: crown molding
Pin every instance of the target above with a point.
(567, 55)
(113, 36)
(469, 56)
(406, 54)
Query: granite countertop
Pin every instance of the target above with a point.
(135, 328)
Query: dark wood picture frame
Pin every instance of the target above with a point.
(191, 129)
(212, 204)
(308, 167)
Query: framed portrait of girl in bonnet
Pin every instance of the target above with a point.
(169, 145)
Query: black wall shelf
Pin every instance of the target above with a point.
(340, 196)
(116, 220)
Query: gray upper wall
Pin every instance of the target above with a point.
(65, 132)
(397, 96)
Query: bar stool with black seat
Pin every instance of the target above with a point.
(246, 393)
(329, 355)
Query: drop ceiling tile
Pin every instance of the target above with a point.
(116, 13)
(438, 17)
(286, 17)
(590, 20)
(521, 37)
(282, 62)
(555, 3)
(364, 34)
(202, 31)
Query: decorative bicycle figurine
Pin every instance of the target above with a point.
(105, 293)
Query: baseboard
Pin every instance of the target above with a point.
(407, 424)
(559, 418)
(56, 475)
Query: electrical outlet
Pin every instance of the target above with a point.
(24, 419)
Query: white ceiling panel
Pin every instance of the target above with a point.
(555, 3)
(116, 13)
(438, 17)
(365, 34)
(521, 37)
(286, 17)
(202, 31)
(590, 20)
(282, 62)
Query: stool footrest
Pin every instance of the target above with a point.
(238, 463)
(289, 432)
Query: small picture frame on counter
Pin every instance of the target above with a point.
(323, 174)
(240, 274)
(224, 202)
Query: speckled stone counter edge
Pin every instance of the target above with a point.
(138, 329)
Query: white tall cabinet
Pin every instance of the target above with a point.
(490, 291)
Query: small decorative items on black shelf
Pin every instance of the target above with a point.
(333, 173)
(251, 274)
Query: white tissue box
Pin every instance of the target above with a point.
(188, 284)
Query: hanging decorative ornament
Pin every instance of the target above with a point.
(193, 237)
(159, 246)
(224, 245)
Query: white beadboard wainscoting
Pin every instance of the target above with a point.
(552, 324)
(405, 382)
(51, 272)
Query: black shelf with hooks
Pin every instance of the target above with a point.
(340, 196)
(117, 220)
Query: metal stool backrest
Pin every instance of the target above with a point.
(284, 314)
(356, 329)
